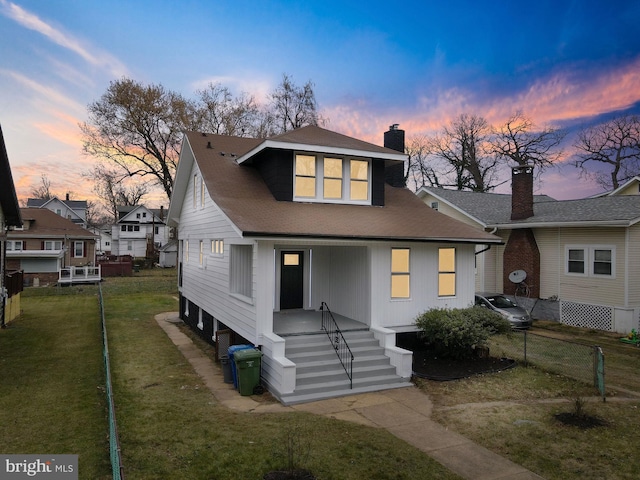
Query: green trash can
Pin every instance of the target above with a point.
(248, 363)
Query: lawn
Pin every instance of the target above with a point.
(513, 413)
(170, 425)
(52, 390)
(52, 382)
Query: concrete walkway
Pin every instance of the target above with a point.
(404, 412)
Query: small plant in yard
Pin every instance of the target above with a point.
(579, 416)
(459, 333)
(293, 451)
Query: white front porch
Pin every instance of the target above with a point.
(307, 322)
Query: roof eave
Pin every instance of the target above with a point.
(400, 157)
(370, 238)
(573, 224)
(452, 205)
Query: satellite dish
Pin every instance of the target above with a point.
(517, 276)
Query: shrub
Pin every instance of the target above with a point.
(457, 333)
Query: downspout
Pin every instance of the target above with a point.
(495, 229)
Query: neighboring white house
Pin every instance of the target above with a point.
(103, 242)
(137, 229)
(74, 210)
(583, 253)
(271, 229)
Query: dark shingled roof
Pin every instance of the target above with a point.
(44, 223)
(241, 193)
(8, 197)
(495, 209)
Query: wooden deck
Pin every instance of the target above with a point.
(74, 275)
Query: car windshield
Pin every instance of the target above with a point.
(500, 301)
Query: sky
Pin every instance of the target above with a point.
(419, 64)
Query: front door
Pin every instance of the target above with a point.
(292, 280)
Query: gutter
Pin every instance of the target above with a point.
(594, 223)
(279, 236)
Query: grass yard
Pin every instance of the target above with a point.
(52, 382)
(53, 401)
(170, 425)
(513, 414)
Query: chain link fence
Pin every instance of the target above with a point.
(114, 442)
(575, 360)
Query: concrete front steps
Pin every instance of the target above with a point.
(320, 375)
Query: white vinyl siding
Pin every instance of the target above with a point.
(592, 288)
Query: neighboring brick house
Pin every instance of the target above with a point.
(583, 253)
(46, 244)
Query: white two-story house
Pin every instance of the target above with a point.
(275, 233)
(139, 231)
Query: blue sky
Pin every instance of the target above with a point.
(374, 63)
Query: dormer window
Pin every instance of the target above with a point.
(331, 179)
(305, 176)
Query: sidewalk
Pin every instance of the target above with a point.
(404, 412)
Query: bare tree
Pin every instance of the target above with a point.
(519, 141)
(420, 171)
(137, 129)
(292, 106)
(113, 191)
(465, 161)
(43, 190)
(614, 145)
(221, 113)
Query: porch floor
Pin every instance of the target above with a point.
(305, 322)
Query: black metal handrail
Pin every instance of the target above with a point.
(338, 341)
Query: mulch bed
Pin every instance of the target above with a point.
(583, 422)
(427, 365)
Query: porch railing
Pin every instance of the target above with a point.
(79, 274)
(338, 341)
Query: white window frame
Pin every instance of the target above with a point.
(442, 272)
(53, 245)
(401, 273)
(217, 247)
(75, 249)
(195, 190)
(346, 179)
(202, 191)
(590, 260)
(201, 254)
(241, 271)
(11, 245)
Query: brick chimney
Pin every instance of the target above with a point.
(394, 139)
(521, 192)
